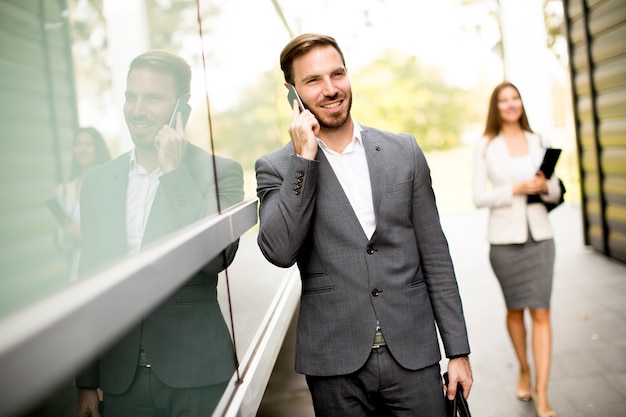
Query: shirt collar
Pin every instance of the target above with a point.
(357, 131)
(356, 136)
(133, 158)
(134, 166)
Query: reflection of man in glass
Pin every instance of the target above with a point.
(178, 359)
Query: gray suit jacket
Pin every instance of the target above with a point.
(185, 338)
(402, 277)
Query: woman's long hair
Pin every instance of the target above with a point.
(101, 154)
(494, 121)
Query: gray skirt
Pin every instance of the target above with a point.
(525, 273)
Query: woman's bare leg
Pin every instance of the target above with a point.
(542, 353)
(517, 332)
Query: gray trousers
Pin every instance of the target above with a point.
(149, 397)
(380, 388)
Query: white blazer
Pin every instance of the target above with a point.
(510, 217)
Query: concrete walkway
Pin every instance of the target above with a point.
(588, 375)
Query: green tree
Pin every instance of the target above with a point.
(257, 124)
(171, 25)
(172, 22)
(397, 93)
(393, 92)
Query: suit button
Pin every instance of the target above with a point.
(370, 250)
(297, 192)
(375, 292)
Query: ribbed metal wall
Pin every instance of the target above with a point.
(596, 32)
(37, 122)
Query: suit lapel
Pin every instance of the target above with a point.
(375, 155)
(329, 180)
(335, 192)
(376, 165)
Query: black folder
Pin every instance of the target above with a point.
(550, 159)
(547, 166)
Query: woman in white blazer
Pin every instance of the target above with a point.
(506, 163)
(89, 149)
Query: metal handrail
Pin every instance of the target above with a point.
(43, 344)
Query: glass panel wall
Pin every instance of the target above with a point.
(93, 84)
(152, 204)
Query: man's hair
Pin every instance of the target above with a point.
(168, 63)
(299, 46)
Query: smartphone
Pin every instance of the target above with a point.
(293, 95)
(181, 107)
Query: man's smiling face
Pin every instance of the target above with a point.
(150, 101)
(322, 81)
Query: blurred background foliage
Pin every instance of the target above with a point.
(553, 16)
(394, 91)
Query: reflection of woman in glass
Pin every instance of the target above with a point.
(522, 247)
(89, 149)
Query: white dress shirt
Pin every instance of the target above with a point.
(523, 167)
(351, 170)
(142, 187)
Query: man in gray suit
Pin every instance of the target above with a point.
(178, 359)
(353, 206)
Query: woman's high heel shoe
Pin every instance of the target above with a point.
(549, 413)
(523, 395)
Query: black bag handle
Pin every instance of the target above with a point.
(457, 407)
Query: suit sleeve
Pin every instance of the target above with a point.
(87, 229)
(287, 204)
(188, 200)
(88, 377)
(230, 192)
(192, 192)
(98, 244)
(436, 262)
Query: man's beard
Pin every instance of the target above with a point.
(144, 142)
(334, 122)
(143, 139)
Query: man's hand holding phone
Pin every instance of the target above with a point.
(171, 142)
(304, 127)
